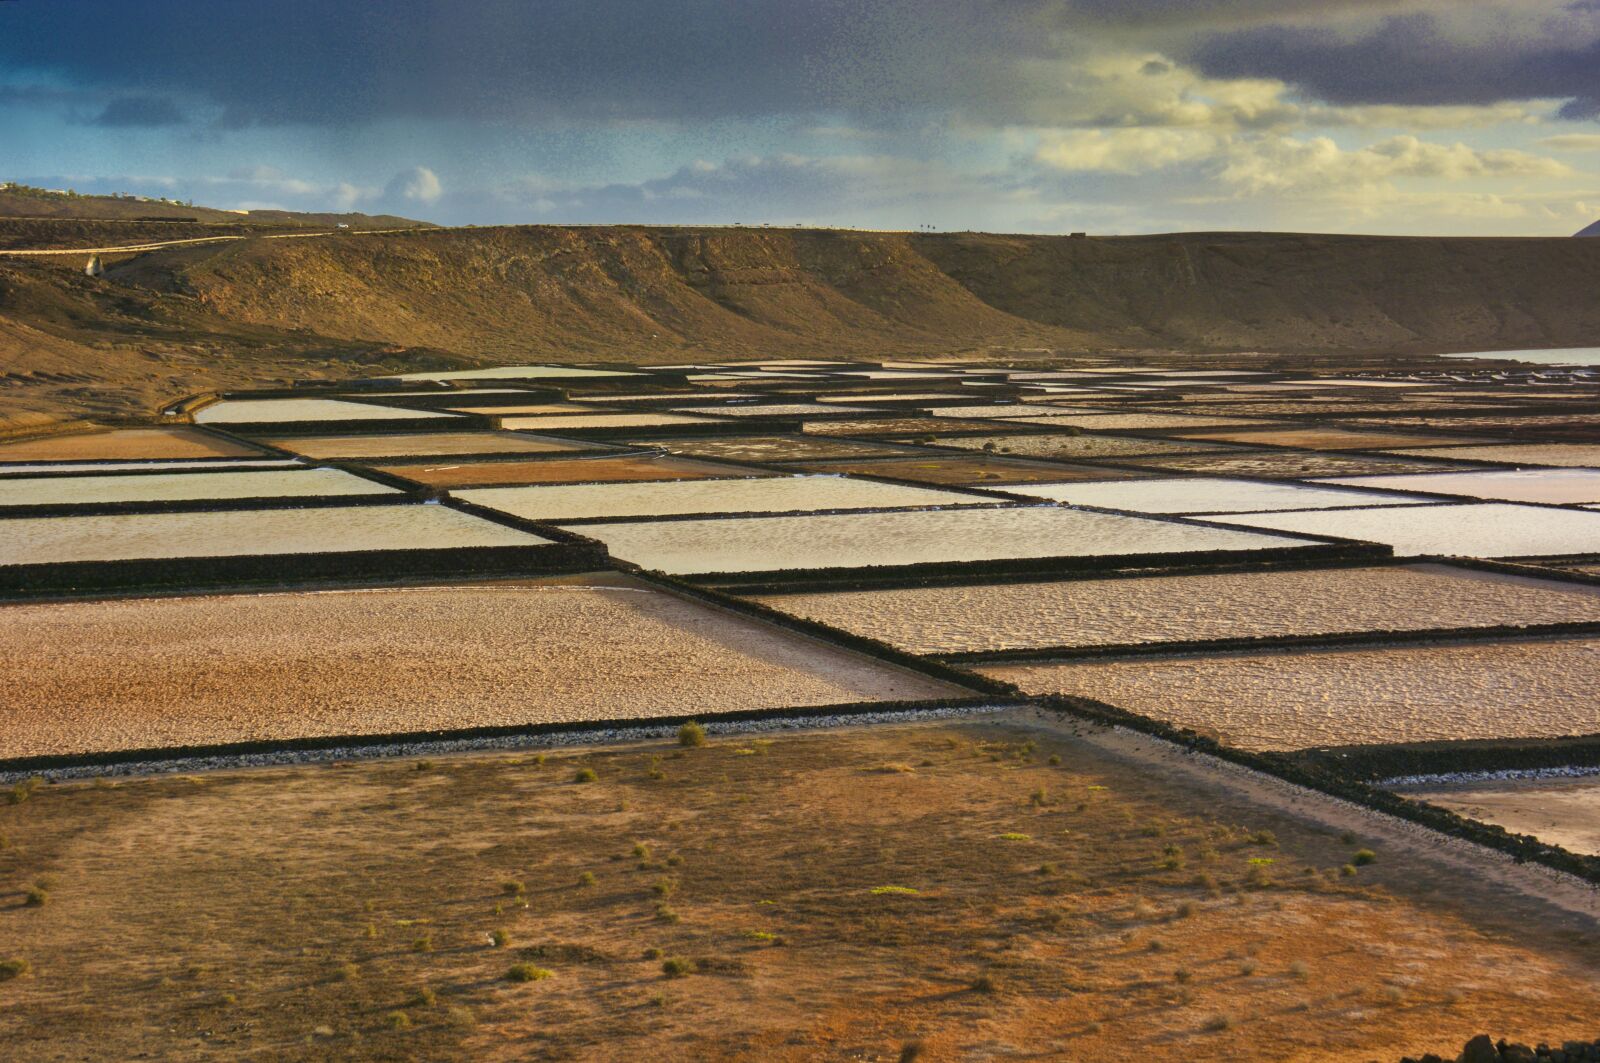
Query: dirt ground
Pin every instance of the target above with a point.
(978, 888)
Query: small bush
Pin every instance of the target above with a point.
(398, 1020)
(10, 969)
(37, 897)
(880, 891)
(1299, 969)
(424, 997)
(665, 913)
(1363, 857)
(513, 887)
(1055, 760)
(585, 775)
(1347, 870)
(423, 943)
(1347, 838)
(1185, 910)
(347, 972)
(586, 879)
(653, 954)
(1182, 975)
(1013, 836)
(985, 983)
(1264, 837)
(912, 1051)
(1218, 1023)
(1247, 968)
(499, 939)
(691, 734)
(527, 972)
(664, 887)
(1047, 869)
(677, 967)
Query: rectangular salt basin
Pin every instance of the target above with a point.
(557, 422)
(1286, 464)
(1113, 422)
(141, 673)
(418, 444)
(1487, 529)
(1278, 701)
(1326, 439)
(1204, 495)
(126, 444)
(774, 448)
(1072, 447)
(796, 409)
(515, 372)
(184, 487)
(1568, 454)
(1193, 608)
(244, 533)
(527, 408)
(600, 469)
(1557, 811)
(786, 494)
(894, 539)
(1554, 486)
(263, 411)
(80, 468)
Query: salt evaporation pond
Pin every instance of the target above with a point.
(913, 538)
(1473, 529)
(1570, 454)
(1201, 495)
(1552, 356)
(786, 494)
(421, 444)
(248, 533)
(184, 487)
(1287, 464)
(623, 467)
(1554, 486)
(79, 468)
(126, 444)
(1279, 701)
(1048, 614)
(775, 448)
(557, 422)
(1557, 811)
(272, 411)
(199, 670)
(1073, 447)
(1327, 439)
(516, 372)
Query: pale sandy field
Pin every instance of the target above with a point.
(195, 670)
(1151, 609)
(1564, 812)
(1267, 701)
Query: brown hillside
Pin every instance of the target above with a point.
(664, 294)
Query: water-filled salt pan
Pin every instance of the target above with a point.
(78, 468)
(237, 533)
(1557, 811)
(557, 422)
(1556, 486)
(1205, 495)
(889, 539)
(407, 444)
(126, 444)
(1231, 605)
(1487, 529)
(1569, 454)
(262, 411)
(767, 495)
(1276, 701)
(184, 486)
(515, 372)
(1073, 448)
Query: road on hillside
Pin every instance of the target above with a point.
(157, 245)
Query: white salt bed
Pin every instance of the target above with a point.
(761, 495)
(795, 409)
(1279, 701)
(1474, 529)
(1559, 486)
(1557, 811)
(1205, 495)
(234, 533)
(1267, 603)
(867, 539)
(1111, 422)
(557, 422)
(185, 486)
(515, 372)
(261, 411)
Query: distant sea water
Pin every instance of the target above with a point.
(1553, 356)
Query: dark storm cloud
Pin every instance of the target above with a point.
(139, 112)
(1408, 60)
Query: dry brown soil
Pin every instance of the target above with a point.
(1068, 904)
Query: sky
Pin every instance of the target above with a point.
(1457, 117)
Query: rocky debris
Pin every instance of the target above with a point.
(1482, 1050)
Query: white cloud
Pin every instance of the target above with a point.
(1124, 151)
(1572, 142)
(1283, 164)
(418, 184)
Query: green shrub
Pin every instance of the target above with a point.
(37, 897)
(512, 887)
(499, 939)
(677, 967)
(585, 775)
(664, 887)
(691, 734)
(10, 969)
(527, 972)
(423, 943)
(1363, 857)
(398, 1020)
(586, 879)
(1218, 1023)
(653, 954)
(1263, 837)
(424, 997)
(985, 983)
